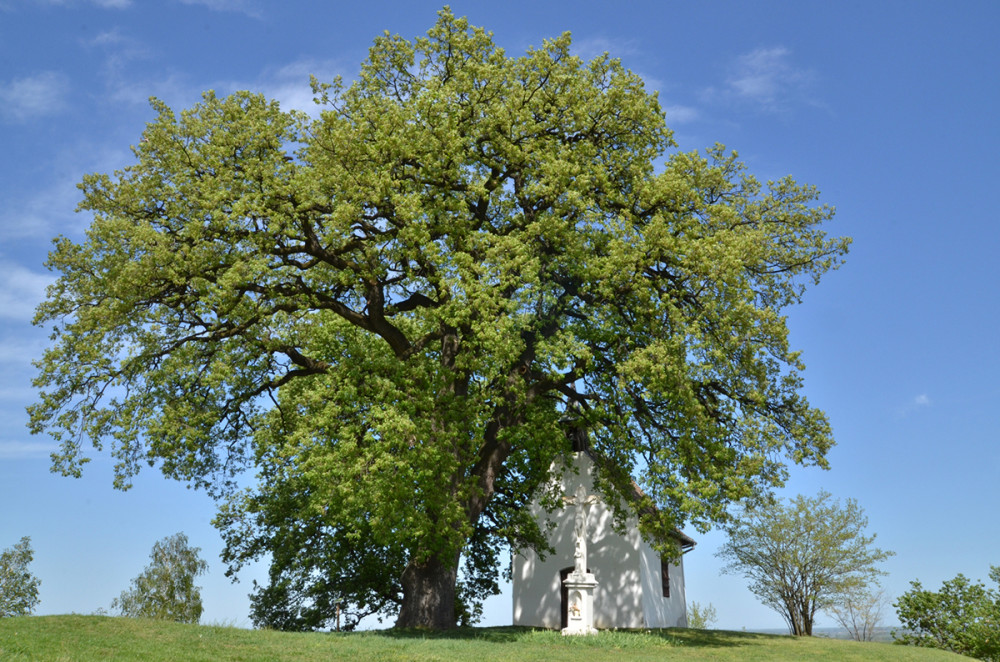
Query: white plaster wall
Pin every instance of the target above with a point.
(536, 591)
(662, 612)
(628, 595)
(615, 561)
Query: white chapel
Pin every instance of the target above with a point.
(635, 588)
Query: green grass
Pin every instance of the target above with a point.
(101, 638)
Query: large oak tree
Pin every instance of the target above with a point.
(385, 312)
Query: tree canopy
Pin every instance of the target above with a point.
(806, 557)
(963, 617)
(387, 310)
(165, 590)
(18, 586)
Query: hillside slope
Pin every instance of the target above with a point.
(100, 638)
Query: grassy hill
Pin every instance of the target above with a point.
(99, 638)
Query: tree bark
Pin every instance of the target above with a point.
(429, 595)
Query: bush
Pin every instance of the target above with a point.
(701, 618)
(963, 617)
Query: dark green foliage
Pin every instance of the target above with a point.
(963, 617)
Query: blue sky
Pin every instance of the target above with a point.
(888, 107)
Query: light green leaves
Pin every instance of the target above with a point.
(808, 556)
(385, 311)
(18, 587)
(165, 589)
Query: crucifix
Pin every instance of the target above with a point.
(581, 500)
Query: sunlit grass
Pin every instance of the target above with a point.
(100, 638)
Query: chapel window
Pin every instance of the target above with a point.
(665, 577)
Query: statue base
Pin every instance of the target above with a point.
(580, 591)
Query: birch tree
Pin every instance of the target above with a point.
(18, 586)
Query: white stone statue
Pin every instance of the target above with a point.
(581, 501)
(580, 584)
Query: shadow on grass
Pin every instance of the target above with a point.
(719, 638)
(687, 638)
(499, 635)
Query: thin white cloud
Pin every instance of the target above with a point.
(917, 402)
(588, 49)
(21, 290)
(104, 4)
(763, 74)
(768, 79)
(32, 97)
(289, 84)
(172, 88)
(38, 213)
(248, 7)
(651, 83)
(26, 450)
(678, 114)
(49, 209)
(113, 37)
(17, 351)
(120, 51)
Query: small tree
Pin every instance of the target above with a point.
(803, 558)
(165, 589)
(860, 612)
(701, 618)
(963, 617)
(18, 587)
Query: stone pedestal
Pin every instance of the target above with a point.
(580, 591)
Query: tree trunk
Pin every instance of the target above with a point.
(429, 595)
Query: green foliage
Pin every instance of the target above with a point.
(385, 312)
(701, 618)
(963, 617)
(804, 557)
(18, 587)
(165, 590)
